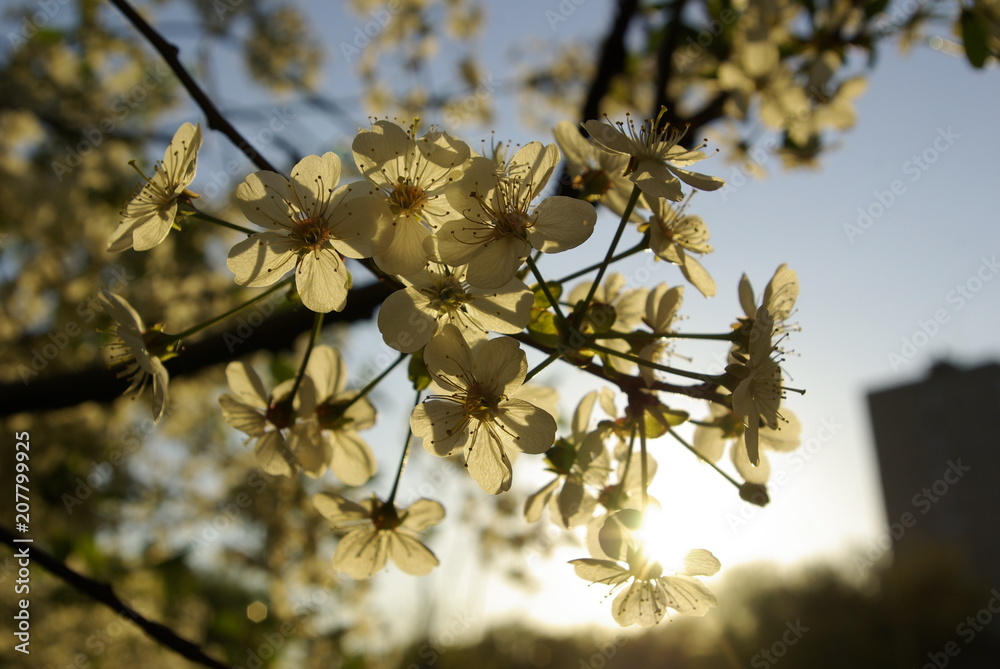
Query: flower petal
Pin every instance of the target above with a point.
(527, 428)
(411, 556)
(322, 280)
(362, 552)
(352, 460)
(562, 223)
(261, 259)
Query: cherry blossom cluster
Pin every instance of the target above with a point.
(457, 234)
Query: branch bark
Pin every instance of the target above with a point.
(105, 594)
(98, 384)
(170, 53)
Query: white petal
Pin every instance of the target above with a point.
(321, 280)
(272, 454)
(500, 363)
(342, 511)
(608, 136)
(422, 514)
(352, 459)
(527, 428)
(362, 553)
(404, 254)
(494, 264)
(655, 180)
(642, 603)
(486, 459)
(687, 595)
(406, 320)
(261, 259)
(562, 223)
(441, 425)
(264, 199)
(314, 180)
(535, 504)
(246, 385)
(411, 556)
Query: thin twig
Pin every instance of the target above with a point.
(103, 593)
(170, 53)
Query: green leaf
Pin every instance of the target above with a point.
(543, 328)
(975, 36)
(417, 371)
(542, 302)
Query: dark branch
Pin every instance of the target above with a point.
(170, 53)
(665, 62)
(103, 593)
(610, 63)
(98, 384)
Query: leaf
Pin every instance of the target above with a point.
(544, 328)
(975, 36)
(417, 371)
(541, 301)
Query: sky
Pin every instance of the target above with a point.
(894, 241)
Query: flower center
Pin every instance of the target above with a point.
(479, 403)
(311, 233)
(406, 198)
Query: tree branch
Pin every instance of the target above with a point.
(610, 63)
(98, 384)
(170, 53)
(103, 593)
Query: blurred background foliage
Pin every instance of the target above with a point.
(157, 511)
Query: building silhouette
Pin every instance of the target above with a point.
(938, 445)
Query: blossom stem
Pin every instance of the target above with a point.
(642, 462)
(727, 336)
(614, 244)
(313, 336)
(374, 382)
(702, 457)
(542, 365)
(545, 289)
(641, 246)
(404, 457)
(707, 378)
(232, 312)
(631, 447)
(208, 218)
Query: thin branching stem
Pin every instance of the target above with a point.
(403, 458)
(614, 244)
(232, 312)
